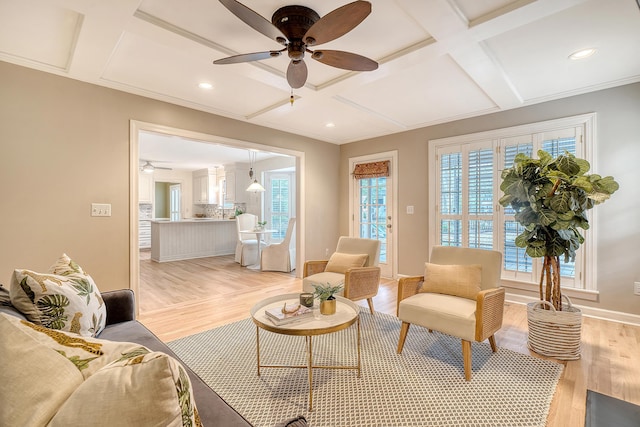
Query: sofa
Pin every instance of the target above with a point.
(121, 326)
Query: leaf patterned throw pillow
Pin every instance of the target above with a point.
(66, 299)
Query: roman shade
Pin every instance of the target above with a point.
(371, 170)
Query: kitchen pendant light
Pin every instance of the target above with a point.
(255, 185)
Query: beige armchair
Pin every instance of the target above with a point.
(280, 256)
(354, 263)
(459, 295)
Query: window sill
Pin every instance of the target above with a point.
(581, 294)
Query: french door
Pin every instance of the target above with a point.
(373, 210)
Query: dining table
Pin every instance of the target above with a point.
(260, 235)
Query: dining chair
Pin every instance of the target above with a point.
(459, 295)
(354, 264)
(247, 244)
(280, 256)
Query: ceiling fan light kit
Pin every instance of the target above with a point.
(299, 27)
(149, 168)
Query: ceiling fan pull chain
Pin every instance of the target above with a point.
(291, 98)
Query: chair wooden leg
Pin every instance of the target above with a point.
(492, 341)
(403, 335)
(370, 302)
(466, 357)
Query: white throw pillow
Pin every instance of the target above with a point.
(151, 389)
(67, 300)
(42, 367)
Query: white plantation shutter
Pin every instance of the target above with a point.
(450, 199)
(467, 190)
(517, 264)
(480, 198)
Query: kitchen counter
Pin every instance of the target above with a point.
(192, 238)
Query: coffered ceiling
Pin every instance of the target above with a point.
(440, 60)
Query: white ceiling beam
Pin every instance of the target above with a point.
(99, 36)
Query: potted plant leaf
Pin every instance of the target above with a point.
(551, 198)
(326, 295)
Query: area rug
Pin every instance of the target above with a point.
(424, 386)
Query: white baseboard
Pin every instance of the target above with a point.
(598, 313)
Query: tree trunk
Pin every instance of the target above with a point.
(550, 276)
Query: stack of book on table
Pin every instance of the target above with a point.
(292, 313)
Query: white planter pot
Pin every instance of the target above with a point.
(554, 333)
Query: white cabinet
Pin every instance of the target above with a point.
(144, 233)
(237, 182)
(205, 188)
(230, 187)
(145, 188)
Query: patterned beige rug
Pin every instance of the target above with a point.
(424, 386)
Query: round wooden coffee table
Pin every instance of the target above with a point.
(347, 313)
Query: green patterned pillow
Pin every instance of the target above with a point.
(68, 299)
(148, 388)
(65, 266)
(43, 367)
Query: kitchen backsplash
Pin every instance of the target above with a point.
(145, 211)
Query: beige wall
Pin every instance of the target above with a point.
(65, 144)
(618, 152)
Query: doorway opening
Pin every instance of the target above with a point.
(183, 202)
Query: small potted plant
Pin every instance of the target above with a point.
(261, 225)
(326, 295)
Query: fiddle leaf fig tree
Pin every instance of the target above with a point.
(551, 198)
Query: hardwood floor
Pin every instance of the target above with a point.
(185, 297)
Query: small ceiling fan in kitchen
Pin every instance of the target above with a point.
(149, 168)
(298, 28)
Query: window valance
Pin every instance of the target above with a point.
(371, 170)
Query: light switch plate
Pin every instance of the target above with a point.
(100, 209)
(410, 210)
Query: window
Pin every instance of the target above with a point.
(465, 190)
(279, 202)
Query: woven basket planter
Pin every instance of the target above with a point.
(554, 333)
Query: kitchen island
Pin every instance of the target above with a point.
(192, 238)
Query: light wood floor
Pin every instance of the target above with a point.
(181, 298)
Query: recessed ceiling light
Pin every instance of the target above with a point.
(582, 53)
(330, 125)
(205, 86)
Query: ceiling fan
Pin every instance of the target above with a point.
(149, 168)
(299, 27)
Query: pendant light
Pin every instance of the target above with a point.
(255, 185)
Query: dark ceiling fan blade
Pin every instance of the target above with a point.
(337, 23)
(248, 57)
(297, 74)
(345, 60)
(254, 20)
